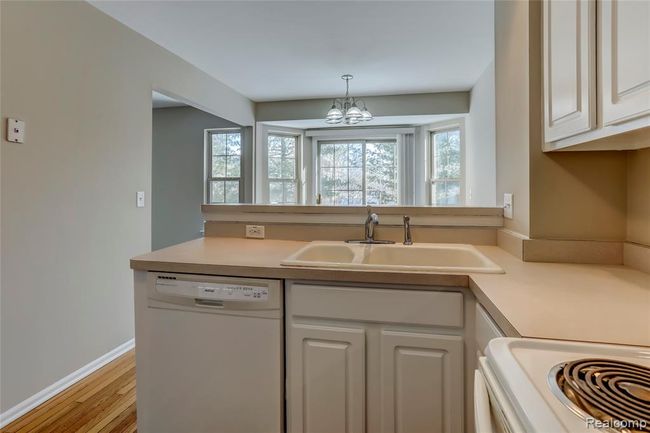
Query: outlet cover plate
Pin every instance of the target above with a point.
(255, 232)
(507, 205)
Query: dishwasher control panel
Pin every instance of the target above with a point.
(212, 291)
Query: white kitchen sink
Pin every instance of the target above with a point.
(421, 257)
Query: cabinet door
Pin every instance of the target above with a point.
(327, 379)
(421, 383)
(569, 68)
(624, 52)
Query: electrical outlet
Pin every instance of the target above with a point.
(256, 232)
(507, 205)
(139, 199)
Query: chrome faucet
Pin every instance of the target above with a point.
(369, 230)
(408, 240)
(371, 221)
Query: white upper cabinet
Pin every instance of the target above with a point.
(587, 100)
(569, 68)
(624, 60)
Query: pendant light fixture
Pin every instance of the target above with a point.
(346, 110)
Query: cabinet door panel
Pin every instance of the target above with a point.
(624, 52)
(421, 383)
(569, 68)
(327, 379)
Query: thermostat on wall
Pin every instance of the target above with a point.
(15, 131)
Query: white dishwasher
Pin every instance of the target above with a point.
(209, 354)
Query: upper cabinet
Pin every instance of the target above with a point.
(569, 68)
(596, 74)
(624, 60)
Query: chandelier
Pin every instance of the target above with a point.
(346, 110)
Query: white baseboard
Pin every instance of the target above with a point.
(30, 403)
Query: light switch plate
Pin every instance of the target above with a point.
(256, 232)
(139, 199)
(507, 205)
(15, 131)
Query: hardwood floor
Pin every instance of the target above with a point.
(103, 402)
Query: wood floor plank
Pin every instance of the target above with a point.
(59, 404)
(103, 402)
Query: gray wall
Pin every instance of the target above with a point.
(390, 105)
(82, 82)
(177, 173)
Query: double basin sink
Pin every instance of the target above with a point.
(420, 257)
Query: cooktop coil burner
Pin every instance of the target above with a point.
(607, 394)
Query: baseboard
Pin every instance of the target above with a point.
(40, 397)
(637, 256)
(511, 242)
(573, 251)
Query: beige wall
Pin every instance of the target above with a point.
(512, 106)
(559, 195)
(573, 195)
(83, 83)
(638, 196)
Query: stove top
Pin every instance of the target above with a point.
(607, 393)
(573, 387)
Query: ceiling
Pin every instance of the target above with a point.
(279, 50)
(158, 100)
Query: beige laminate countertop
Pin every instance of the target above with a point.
(596, 303)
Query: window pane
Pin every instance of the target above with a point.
(232, 191)
(382, 173)
(356, 155)
(446, 193)
(289, 192)
(446, 155)
(356, 179)
(275, 192)
(327, 155)
(218, 144)
(218, 166)
(217, 192)
(341, 155)
(288, 168)
(275, 146)
(233, 166)
(275, 168)
(233, 144)
(289, 147)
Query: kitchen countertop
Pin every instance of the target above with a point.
(596, 303)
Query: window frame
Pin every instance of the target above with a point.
(363, 141)
(431, 162)
(296, 172)
(208, 164)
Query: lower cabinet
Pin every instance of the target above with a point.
(351, 375)
(327, 379)
(421, 383)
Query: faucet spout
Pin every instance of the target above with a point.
(408, 240)
(371, 221)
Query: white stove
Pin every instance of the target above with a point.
(517, 387)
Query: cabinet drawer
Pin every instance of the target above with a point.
(416, 307)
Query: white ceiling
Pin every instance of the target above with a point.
(158, 100)
(278, 50)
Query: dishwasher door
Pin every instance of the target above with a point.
(209, 355)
